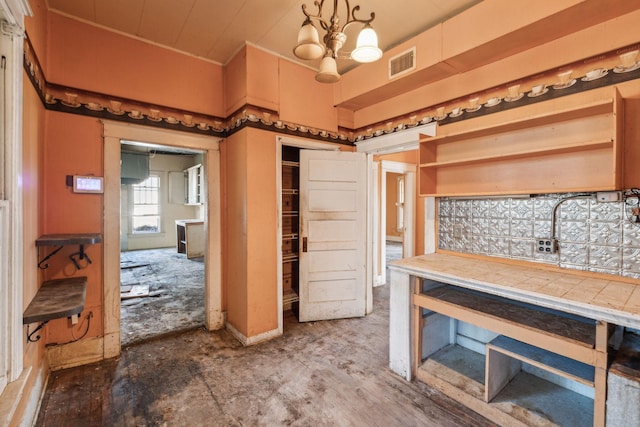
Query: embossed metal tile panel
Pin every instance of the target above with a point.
(591, 236)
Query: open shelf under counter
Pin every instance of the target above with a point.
(536, 343)
(526, 401)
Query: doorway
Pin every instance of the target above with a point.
(114, 134)
(161, 283)
(396, 211)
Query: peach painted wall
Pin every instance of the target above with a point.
(235, 82)
(89, 58)
(305, 101)
(73, 146)
(251, 77)
(263, 86)
(36, 28)
(458, 88)
(391, 211)
(250, 237)
(234, 229)
(261, 232)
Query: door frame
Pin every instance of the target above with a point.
(407, 139)
(408, 235)
(113, 134)
(305, 145)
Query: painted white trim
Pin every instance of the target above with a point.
(409, 171)
(430, 224)
(403, 140)
(280, 285)
(11, 274)
(373, 205)
(265, 336)
(113, 134)
(11, 397)
(307, 144)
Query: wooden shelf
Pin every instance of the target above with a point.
(559, 365)
(598, 107)
(56, 299)
(567, 336)
(61, 240)
(569, 148)
(68, 239)
(563, 145)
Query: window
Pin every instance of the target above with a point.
(400, 204)
(146, 206)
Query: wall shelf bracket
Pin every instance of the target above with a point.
(61, 240)
(32, 333)
(41, 263)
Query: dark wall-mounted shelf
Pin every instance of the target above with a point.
(61, 240)
(55, 299)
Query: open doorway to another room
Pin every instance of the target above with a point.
(394, 217)
(396, 212)
(162, 240)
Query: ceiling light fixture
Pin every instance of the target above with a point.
(309, 46)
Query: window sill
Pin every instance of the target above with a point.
(146, 235)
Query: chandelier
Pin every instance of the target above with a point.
(309, 46)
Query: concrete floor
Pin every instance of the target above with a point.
(330, 373)
(175, 299)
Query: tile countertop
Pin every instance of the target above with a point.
(601, 297)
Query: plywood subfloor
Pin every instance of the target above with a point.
(331, 373)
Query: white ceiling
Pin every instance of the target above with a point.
(216, 29)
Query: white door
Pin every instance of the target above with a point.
(332, 235)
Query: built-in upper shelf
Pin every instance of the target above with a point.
(61, 240)
(572, 143)
(55, 299)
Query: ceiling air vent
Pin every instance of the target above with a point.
(402, 63)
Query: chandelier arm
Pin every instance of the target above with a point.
(318, 16)
(351, 17)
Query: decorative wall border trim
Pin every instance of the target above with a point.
(75, 101)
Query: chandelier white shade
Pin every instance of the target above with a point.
(367, 47)
(309, 46)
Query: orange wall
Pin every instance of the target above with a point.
(481, 81)
(234, 254)
(89, 58)
(262, 303)
(391, 211)
(250, 236)
(305, 101)
(73, 146)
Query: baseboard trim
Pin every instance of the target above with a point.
(78, 353)
(16, 393)
(246, 341)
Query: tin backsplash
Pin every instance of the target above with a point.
(593, 236)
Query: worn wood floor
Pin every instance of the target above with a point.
(323, 373)
(331, 373)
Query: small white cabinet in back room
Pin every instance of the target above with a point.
(194, 182)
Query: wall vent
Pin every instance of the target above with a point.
(402, 63)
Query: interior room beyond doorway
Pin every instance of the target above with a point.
(162, 201)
